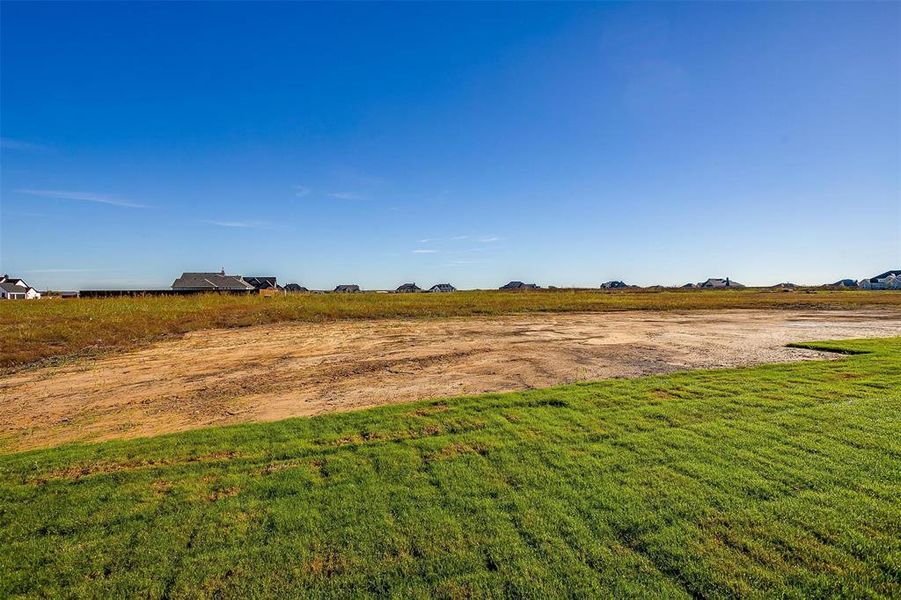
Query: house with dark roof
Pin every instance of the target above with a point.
(347, 289)
(849, 283)
(13, 288)
(442, 287)
(715, 282)
(890, 280)
(518, 285)
(408, 288)
(295, 287)
(212, 282)
(613, 285)
(262, 283)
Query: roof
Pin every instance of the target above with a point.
(408, 287)
(717, 282)
(210, 281)
(295, 287)
(12, 288)
(261, 283)
(348, 287)
(14, 281)
(518, 285)
(886, 275)
(442, 287)
(613, 284)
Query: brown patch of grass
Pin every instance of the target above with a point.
(456, 449)
(430, 410)
(217, 495)
(78, 471)
(325, 565)
(161, 487)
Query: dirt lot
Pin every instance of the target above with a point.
(284, 370)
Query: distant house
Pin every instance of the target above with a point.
(442, 287)
(262, 283)
(347, 289)
(408, 288)
(890, 280)
(690, 285)
(784, 285)
(212, 282)
(851, 283)
(295, 287)
(714, 282)
(518, 285)
(13, 288)
(613, 285)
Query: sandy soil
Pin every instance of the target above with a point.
(284, 370)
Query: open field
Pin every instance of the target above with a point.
(36, 331)
(776, 480)
(281, 370)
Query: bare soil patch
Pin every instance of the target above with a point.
(269, 372)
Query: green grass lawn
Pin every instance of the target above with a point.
(780, 480)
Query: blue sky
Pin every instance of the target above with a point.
(565, 144)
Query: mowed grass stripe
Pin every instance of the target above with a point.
(773, 480)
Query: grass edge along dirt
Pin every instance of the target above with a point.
(764, 481)
(54, 331)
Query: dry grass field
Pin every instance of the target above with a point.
(38, 331)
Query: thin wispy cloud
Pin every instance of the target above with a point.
(13, 144)
(347, 196)
(109, 199)
(459, 238)
(240, 224)
(424, 251)
(454, 238)
(301, 190)
(470, 250)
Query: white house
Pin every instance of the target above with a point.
(890, 280)
(12, 288)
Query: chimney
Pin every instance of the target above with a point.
(222, 271)
(727, 282)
